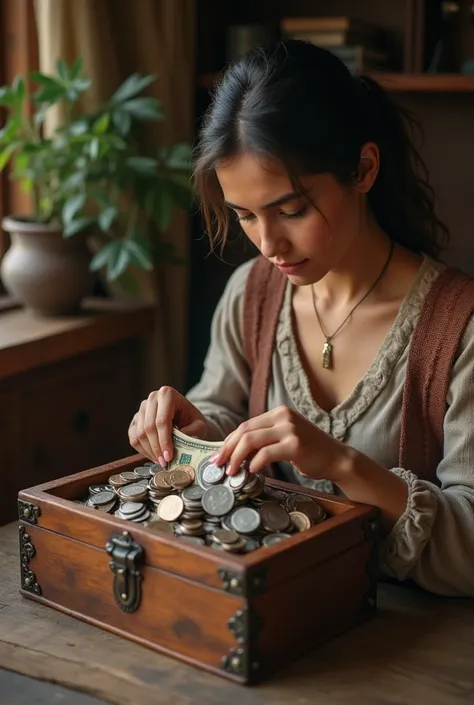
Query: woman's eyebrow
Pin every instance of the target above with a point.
(278, 202)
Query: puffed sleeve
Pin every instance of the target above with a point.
(433, 541)
(223, 390)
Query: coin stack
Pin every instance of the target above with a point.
(237, 514)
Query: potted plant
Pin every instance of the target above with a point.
(89, 180)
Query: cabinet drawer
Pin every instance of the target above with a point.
(77, 415)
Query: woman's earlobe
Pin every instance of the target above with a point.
(368, 167)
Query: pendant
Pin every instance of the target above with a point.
(327, 355)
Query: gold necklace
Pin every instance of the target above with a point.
(328, 346)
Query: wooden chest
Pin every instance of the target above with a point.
(239, 616)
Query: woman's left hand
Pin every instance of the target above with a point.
(282, 434)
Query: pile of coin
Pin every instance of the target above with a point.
(237, 514)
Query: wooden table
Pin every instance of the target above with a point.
(418, 649)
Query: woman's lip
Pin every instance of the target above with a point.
(292, 268)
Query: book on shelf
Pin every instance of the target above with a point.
(335, 31)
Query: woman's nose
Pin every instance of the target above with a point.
(272, 241)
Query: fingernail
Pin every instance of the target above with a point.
(162, 461)
(214, 457)
(167, 456)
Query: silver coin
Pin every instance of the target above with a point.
(218, 500)
(238, 480)
(102, 498)
(142, 471)
(132, 490)
(250, 545)
(272, 539)
(193, 493)
(132, 507)
(95, 489)
(199, 473)
(213, 473)
(245, 520)
(128, 475)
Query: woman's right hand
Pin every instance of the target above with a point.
(150, 432)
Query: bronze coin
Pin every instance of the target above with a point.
(227, 537)
(189, 470)
(161, 480)
(274, 517)
(117, 480)
(180, 478)
(312, 509)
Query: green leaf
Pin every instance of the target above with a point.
(107, 217)
(101, 125)
(139, 253)
(179, 156)
(143, 165)
(49, 94)
(104, 255)
(143, 108)
(6, 154)
(19, 88)
(76, 226)
(73, 181)
(7, 97)
(79, 127)
(122, 121)
(11, 128)
(81, 84)
(76, 67)
(62, 69)
(115, 256)
(94, 148)
(45, 80)
(132, 85)
(72, 206)
(38, 117)
(162, 207)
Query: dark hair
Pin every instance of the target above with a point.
(300, 104)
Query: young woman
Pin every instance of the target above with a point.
(319, 169)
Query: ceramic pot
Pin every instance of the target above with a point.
(45, 272)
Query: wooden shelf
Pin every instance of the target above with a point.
(426, 82)
(398, 82)
(28, 341)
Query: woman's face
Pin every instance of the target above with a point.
(303, 241)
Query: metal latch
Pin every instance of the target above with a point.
(127, 556)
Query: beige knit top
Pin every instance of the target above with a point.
(433, 541)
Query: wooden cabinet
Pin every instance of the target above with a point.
(71, 410)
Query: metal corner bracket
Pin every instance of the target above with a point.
(242, 660)
(28, 512)
(27, 552)
(245, 584)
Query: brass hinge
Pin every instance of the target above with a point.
(242, 660)
(127, 556)
(27, 552)
(245, 584)
(28, 512)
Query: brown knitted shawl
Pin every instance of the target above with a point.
(444, 316)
